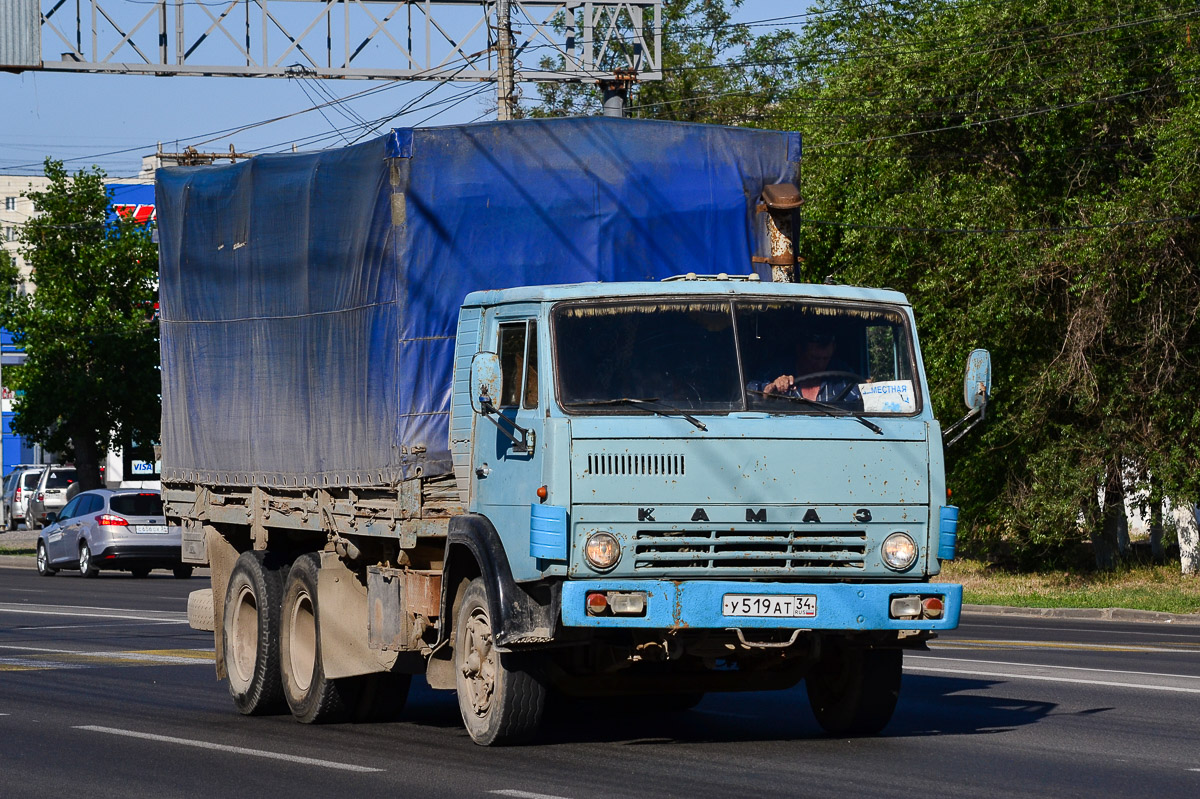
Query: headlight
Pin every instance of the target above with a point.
(899, 551)
(602, 551)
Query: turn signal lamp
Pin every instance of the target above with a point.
(542, 493)
(932, 607)
(597, 603)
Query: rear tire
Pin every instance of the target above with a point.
(87, 567)
(312, 697)
(182, 572)
(43, 562)
(501, 695)
(250, 624)
(854, 691)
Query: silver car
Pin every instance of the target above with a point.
(104, 529)
(18, 490)
(51, 494)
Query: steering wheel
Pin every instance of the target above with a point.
(854, 377)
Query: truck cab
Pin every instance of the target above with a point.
(723, 483)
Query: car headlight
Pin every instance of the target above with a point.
(602, 551)
(899, 551)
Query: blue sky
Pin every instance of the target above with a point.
(91, 116)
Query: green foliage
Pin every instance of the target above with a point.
(1028, 172)
(1065, 129)
(90, 380)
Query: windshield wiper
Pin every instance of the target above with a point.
(652, 404)
(823, 407)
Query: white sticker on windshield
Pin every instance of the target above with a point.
(889, 396)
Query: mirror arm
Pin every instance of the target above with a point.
(522, 444)
(974, 416)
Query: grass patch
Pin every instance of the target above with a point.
(1142, 587)
(31, 551)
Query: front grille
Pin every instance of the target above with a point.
(755, 552)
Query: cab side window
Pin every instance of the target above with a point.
(518, 365)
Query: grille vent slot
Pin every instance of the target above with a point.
(635, 464)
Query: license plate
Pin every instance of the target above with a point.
(150, 529)
(803, 606)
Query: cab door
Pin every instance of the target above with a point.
(505, 478)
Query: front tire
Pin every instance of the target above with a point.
(250, 624)
(501, 695)
(43, 562)
(87, 566)
(312, 697)
(854, 691)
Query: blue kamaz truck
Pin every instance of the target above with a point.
(538, 407)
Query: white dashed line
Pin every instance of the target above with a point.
(237, 750)
(525, 794)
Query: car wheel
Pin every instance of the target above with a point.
(501, 695)
(87, 567)
(43, 562)
(250, 632)
(313, 697)
(183, 571)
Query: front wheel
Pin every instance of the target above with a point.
(854, 691)
(43, 562)
(87, 567)
(501, 695)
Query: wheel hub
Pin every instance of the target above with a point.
(479, 663)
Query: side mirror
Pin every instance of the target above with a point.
(977, 383)
(51, 517)
(485, 380)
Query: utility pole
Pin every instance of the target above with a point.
(506, 102)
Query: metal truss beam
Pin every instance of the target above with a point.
(369, 39)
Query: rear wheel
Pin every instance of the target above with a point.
(501, 695)
(854, 691)
(43, 562)
(182, 572)
(87, 566)
(313, 697)
(251, 635)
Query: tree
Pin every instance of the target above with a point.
(90, 380)
(1029, 173)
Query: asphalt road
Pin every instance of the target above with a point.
(105, 692)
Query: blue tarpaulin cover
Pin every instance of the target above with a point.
(309, 301)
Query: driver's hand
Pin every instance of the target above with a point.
(780, 385)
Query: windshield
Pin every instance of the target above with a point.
(718, 356)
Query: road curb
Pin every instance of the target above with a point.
(1085, 614)
(18, 560)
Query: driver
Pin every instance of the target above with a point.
(817, 376)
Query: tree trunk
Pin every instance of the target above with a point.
(1106, 540)
(87, 462)
(1156, 524)
(1188, 523)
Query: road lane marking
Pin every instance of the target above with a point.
(983, 643)
(238, 750)
(43, 658)
(1028, 671)
(174, 616)
(525, 794)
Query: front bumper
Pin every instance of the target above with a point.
(697, 605)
